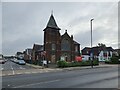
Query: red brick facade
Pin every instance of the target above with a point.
(59, 47)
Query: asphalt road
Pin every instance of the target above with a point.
(85, 78)
(11, 66)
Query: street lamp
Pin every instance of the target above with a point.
(91, 44)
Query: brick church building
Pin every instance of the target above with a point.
(57, 46)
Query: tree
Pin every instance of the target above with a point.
(101, 45)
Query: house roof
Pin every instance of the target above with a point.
(109, 48)
(52, 23)
(96, 50)
(37, 47)
(75, 42)
(18, 53)
(117, 50)
(28, 50)
(86, 51)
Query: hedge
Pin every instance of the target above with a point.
(63, 64)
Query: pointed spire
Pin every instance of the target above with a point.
(66, 30)
(52, 22)
(52, 12)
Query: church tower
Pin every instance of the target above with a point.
(52, 40)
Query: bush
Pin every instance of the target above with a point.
(113, 60)
(95, 62)
(34, 62)
(63, 64)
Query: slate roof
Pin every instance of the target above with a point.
(86, 51)
(109, 48)
(18, 53)
(52, 23)
(75, 42)
(65, 34)
(96, 50)
(37, 47)
(28, 50)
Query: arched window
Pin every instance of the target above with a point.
(53, 46)
(65, 45)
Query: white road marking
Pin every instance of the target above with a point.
(13, 72)
(36, 83)
(22, 68)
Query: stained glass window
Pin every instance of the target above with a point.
(65, 45)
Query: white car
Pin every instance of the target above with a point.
(21, 62)
(2, 61)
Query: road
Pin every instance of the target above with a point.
(9, 65)
(84, 78)
(11, 68)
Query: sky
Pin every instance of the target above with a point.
(23, 23)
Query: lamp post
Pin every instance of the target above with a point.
(91, 44)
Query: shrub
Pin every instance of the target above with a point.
(62, 64)
(75, 64)
(95, 62)
(34, 62)
(114, 60)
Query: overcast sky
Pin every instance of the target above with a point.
(23, 23)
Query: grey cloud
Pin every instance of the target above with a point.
(23, 23)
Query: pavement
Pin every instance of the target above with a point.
(40, 69)
(89, 67)
(72, 68)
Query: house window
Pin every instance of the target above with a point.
(53, 46)
(87, 52)
(65, 45)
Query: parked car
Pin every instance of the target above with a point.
(15, 61)
(21, 62)
(2, 61)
